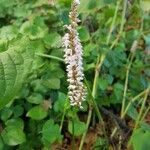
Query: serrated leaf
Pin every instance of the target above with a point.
(17, 123)
(50, 132)
(52, 40)
(13, 136)
(76, 127)
(15, 64)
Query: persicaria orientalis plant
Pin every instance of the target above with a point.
(73, 59)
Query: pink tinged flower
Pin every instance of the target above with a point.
(73, 59)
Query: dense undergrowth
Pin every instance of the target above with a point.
(35, 113)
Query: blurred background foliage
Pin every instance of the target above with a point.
(31, 31)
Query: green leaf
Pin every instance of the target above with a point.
(118, 93)
(59, 105)
(37, 113)
(15, 64)
(35, 98)
(76, 128)
(101, 144)
(13, 136)
(84, 34)
(8, 32)
(89, 6)
(52, 83)
(52, 40)
(35, 28)
(103, 83)
(50, 133)
(3, 45)
(1, 144)
(17, 123)
(6, 113)
(132, 112)
(18, 111)
(140, 139)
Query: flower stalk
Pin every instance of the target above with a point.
(73, 59)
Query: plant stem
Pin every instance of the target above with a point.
(126, 84)
(146, 112)
(63, 116)
(73, 144)
(122, 24)
(93, 102)
(132, 101)
(50, 56)
(128, 106)
(142, 109)
(113, 22)
(94, 89)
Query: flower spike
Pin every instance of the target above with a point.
(73, 59)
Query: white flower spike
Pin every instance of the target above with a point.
(73, 59)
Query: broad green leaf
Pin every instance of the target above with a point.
(140, 139)
(76, 127)
(103, 83)
(13, 136)
(52, 40)
(52, 83)
(17, 123)
(35, 28)
(37, 113)
(8, 32)
(50, 133)
(15, 64)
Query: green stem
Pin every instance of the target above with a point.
(73, 144)
(94, 89)
(128, 106)
(50, 56)
(122, 24)
(62, 120)
(146, 112)
(126, 84)
(132, 101)
(142, 109)
(113, 22)
(64, 113)
(93, 101)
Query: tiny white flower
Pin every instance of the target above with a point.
(73, 59)
(77, 2)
